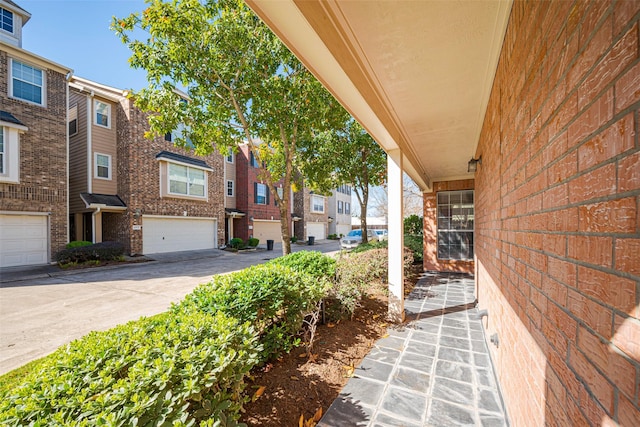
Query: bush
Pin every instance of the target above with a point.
(105, 251)
(78, 244)
(272, 297)
(236, 243)
(414, 242)
(166, 370)
(413, 224)
(293, 239)
(370, 245)
(332, 237)
(253, 242)
(309, 262)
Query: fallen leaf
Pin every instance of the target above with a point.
(301, 355)
(317, 415)
(313, 358)
(258, 393)
(385, 335)
(349, 370)
(331, 325)
(293, 377)
(383, 325)
(375, 316)
(301, 421)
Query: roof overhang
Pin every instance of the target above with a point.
(416, 75)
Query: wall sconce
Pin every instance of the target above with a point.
(250, 218)
(473, 164)
(137, 213)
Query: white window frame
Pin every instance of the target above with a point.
(189, 168)
(266, 189)
(13, 21)
(347, 208)
(313, 204)
(232, 188)
(95, 166)
(11, 152)
(340, 206)
(95, 114)
(230, 156)
(43, 87)
(455, 221)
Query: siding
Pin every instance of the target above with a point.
(78, 154)
(104, 142)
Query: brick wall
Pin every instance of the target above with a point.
(430, 231)
(43, 155)
(557, 214)
(139, 179)
(246, 176)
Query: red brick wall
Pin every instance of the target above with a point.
(430, 231)
(43, 155)
(139, 180)
(557, 214)
(246, 176)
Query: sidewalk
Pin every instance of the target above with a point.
(433, 371)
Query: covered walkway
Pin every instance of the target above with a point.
(435, 370)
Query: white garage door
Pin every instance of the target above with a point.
(171, 234)
(267, 230)
(316, 229)
(23, 240)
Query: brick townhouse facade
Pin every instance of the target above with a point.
(313, 210)
(33, 149)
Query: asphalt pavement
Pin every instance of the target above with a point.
(44, 307)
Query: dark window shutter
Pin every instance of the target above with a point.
(255, 192)
(167, 136)
(267, 196)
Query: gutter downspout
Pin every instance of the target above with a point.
(68, 79)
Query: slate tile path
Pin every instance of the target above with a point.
(434, 370)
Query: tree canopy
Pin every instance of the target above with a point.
(240, 82)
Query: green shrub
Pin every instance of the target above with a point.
(370, 245)
(414, 242)
(166, 370)
(237, 243)
(104, 251)
(313, 263)
(253, 242)
(293, 239)
(78, 244)
(413, 224)
(273, 298)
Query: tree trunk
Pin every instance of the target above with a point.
(284, 226)
(363, 214)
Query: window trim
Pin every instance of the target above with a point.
(312, 207)
(13, 21)
(232, 188)
(340, 206)
(95, 114)
(347, 208)
(11, 156)
(266, 193)
(73, 110)
(231, 155)
(95, 166)
(43, 88)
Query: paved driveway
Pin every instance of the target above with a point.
(38, 315)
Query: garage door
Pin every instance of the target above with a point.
(316, 229)
(162, 234)
(267, 230)
(23, 240)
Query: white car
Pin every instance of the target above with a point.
(382, 234)
(354, 239)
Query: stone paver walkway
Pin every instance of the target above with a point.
(435, 370)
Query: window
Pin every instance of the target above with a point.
(347, 208)
(317, 204)
(10, 150)
(186, 181)
(230, 188)
(73, 120)
(102, 114)
(253, 161)
(455, 225)
(27, 82)
(6, 20)
(230, 156)
(102, 166)
(261, 195)
(340, 206)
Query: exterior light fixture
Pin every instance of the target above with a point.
(473, 164)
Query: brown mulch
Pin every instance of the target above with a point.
(297, 384)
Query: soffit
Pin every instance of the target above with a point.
(416, 74)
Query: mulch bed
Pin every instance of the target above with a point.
(296, 384)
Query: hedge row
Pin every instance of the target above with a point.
(80, 252)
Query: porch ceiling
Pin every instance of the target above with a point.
(416, 74)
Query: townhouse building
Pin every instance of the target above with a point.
(339, 215)
(33, 148)
(313, 210)
(149, 195)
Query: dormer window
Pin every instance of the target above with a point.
(6, 20)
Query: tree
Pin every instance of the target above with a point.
(350, 156)
(413, 224)
(412, 197)
(241, 84)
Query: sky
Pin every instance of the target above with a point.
(76, 34)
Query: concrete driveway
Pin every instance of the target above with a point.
(41, 310)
